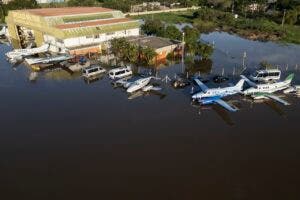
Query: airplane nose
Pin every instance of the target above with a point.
(196, 96)
(130, 90)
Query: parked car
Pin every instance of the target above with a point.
(220, 79)
(120, 72)
(180, 83)
(93, 70)
(266, 75)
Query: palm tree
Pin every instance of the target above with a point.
(131, 53)
(118, 47)
(148, 54)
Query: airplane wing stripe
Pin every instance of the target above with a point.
(203, 87)
(225, 105)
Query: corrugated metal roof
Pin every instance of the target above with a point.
(152, 41)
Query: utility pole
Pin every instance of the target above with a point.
(283, 18)
(182, 56)
(244, 59)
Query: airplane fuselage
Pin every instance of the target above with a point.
(138, 84)
(216, 92)
(267, 88)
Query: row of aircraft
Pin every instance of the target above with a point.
(257, 91)
(215, 95)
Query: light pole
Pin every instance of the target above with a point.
(182, 53)
(244, 59)
(283, 18)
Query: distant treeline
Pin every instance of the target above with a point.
(292, 7)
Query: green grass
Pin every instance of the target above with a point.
(174, 17)
(245, 26)
(292, 34)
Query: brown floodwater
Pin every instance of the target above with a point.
(62, 138)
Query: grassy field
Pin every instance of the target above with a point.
(174, 17)
(292, 34)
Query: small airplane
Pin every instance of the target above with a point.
(18, 54)
(215, 95)
(264, 91)
(140, 84)
(47, 60)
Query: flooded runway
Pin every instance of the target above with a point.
(64, 139)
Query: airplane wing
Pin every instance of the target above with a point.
(252, 84)
(124, 83)
(150, 87)
(203, 87)
(225, 105)
(276, 98)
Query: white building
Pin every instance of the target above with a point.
(80, 30)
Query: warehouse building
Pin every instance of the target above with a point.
(162, 46)
(78, 30)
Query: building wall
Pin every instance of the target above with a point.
(46, 31)
(88, 40)
(39, 38)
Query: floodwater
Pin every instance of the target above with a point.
(64, 139)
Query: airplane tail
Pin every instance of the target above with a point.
(289, 78)
(240, 84)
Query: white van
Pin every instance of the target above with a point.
(93, 70)
(120, 72)
(266, 75)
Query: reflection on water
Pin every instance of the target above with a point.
(140, 93)
(64, 139)
(198, 66)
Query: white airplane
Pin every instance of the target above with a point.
(264, 91)
(46, 60)
(140, 84)
(19, 54)
(215, 95)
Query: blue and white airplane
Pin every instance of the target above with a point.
(215, 95)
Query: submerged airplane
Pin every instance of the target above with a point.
(54, 59)
(19, 54)
(140, 84)
(264, 91)
(215, 95)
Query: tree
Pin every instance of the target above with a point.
(191, 38)
(81, 2)
(2, 14)
(152, 27)
(222, 4)
(283, 4)
(291, 17)
(172, 32)
(131, 53)
(148, 54)
(118, 47)
(123, 5)
(21, 4)
(204, 50)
